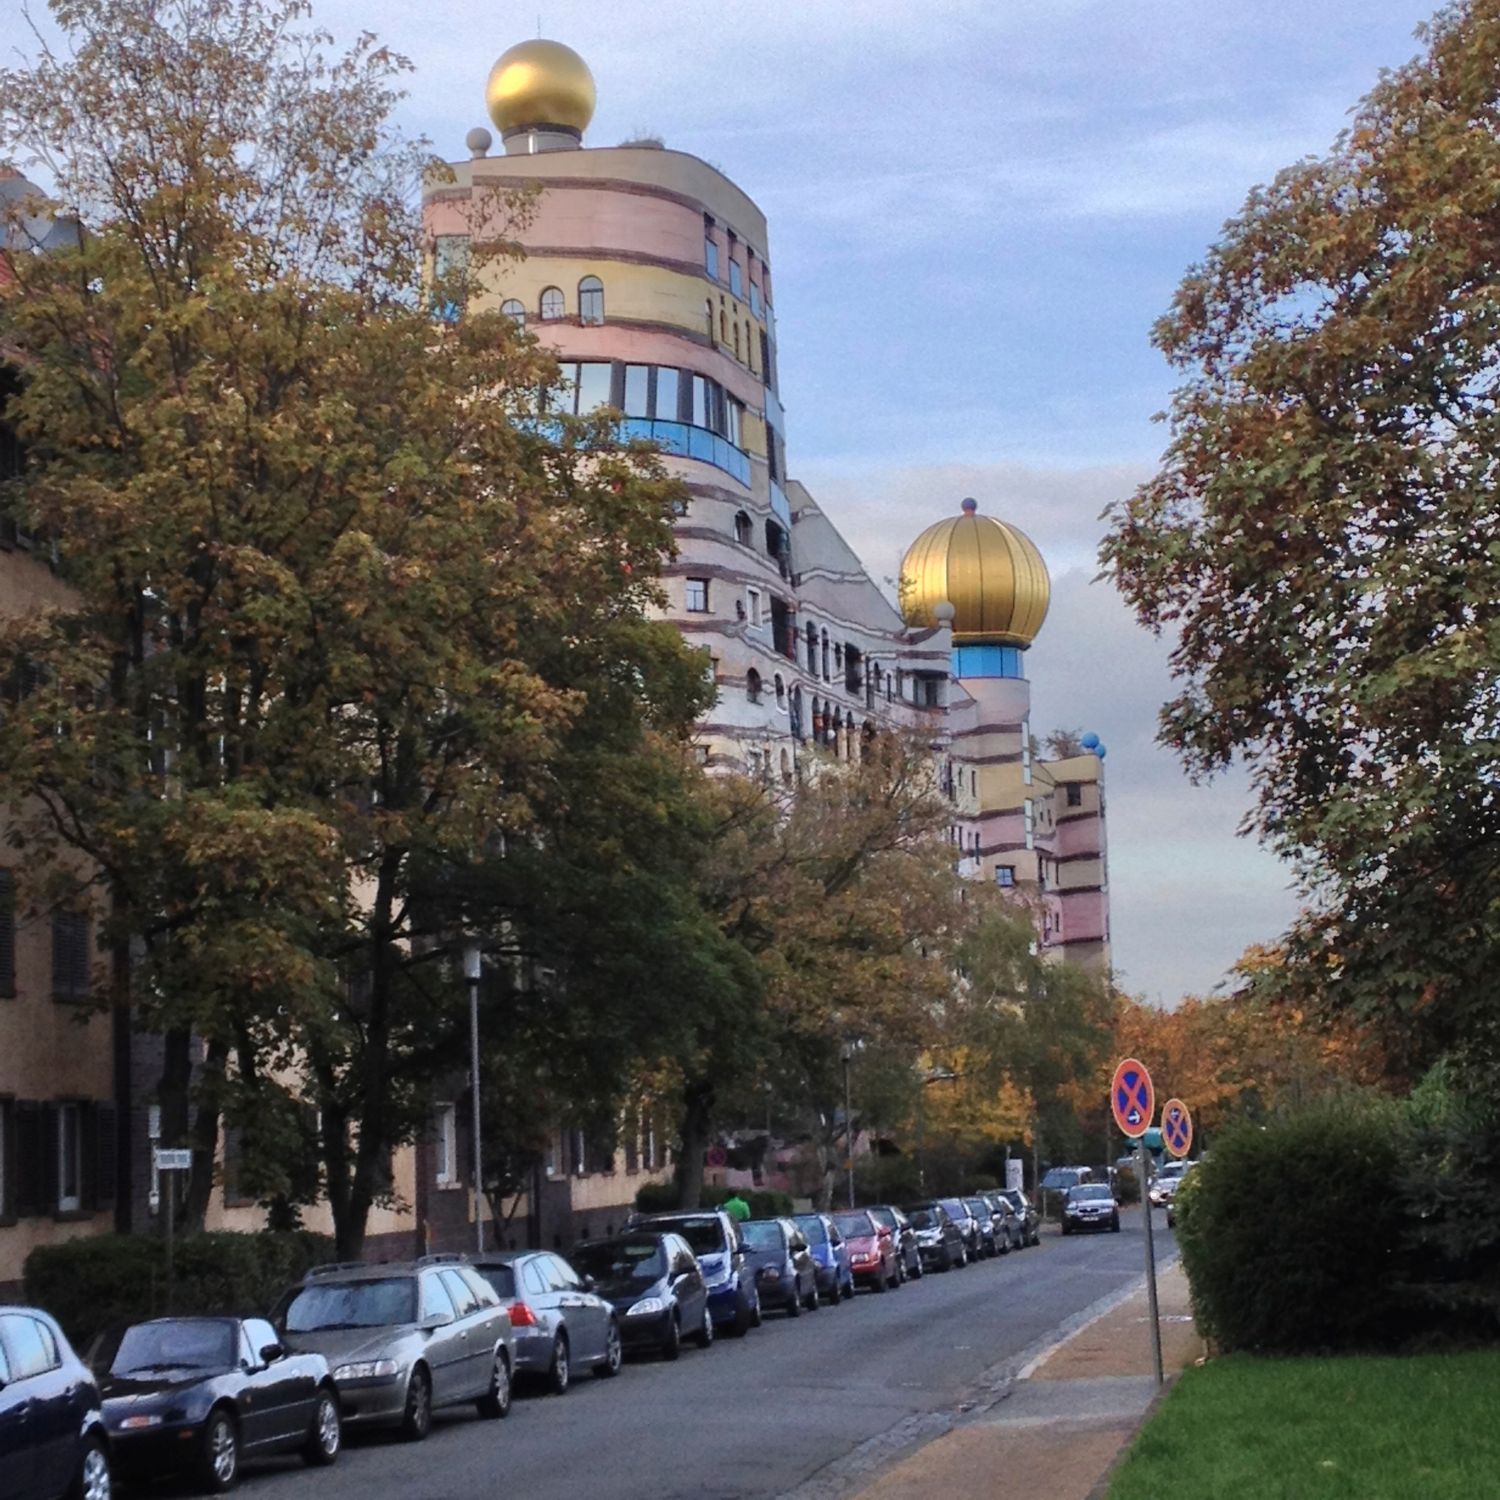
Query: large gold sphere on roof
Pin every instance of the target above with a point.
(991, 573)
(540, 83)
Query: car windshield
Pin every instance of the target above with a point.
(854, 1226)
(925, 1218)
(1093, 1192)
(615, 1261)
(179, 1344)
(955, 1209)
(1060, 1177)
(502, 1278)
(813, 1227)
(885, 1217)
(704, 1236)
(763, 1234)
(380, 1302)
(1013, 1197)
(978, 1207)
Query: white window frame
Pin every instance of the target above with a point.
(753, 604)
(689, 584)
(69, 1122)
(1030, 824)
(445, 1117)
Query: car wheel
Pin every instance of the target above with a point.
(743, 1318)
(794, 1304)
(704, 1338)
(614, 1354)
(416, 1419)
(671, 1345)
(559, 1371)
(218, 1453)
(495, 1403)
(91, 1482)
(327, 1434)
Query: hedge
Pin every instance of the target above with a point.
(90, 1284)
(661, 1198)
(1292, 1232)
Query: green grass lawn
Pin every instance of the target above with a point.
(1426, 1427)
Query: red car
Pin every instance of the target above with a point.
(872, 1249)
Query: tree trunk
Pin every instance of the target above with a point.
(204, 1137)
(697, 1116)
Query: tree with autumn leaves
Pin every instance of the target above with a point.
(1319, 542)
(342, 619)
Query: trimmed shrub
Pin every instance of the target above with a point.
(661, 1198)
(90, 1284)
(765, 1203)
(1291, 1232)
(1127, 1185)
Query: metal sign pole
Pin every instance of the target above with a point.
(1140, 1150)
(169, 1187)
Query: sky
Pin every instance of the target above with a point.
(977, 210)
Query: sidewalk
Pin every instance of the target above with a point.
(1062, 1425)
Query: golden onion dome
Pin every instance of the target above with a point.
(991, 573)
(540, 83)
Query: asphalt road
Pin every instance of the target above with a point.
(794, 1407)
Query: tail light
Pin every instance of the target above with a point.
(522, 1316)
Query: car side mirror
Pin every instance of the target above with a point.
(433, 1321)
(270, 1353)
(589, 1283)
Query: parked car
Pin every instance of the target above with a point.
(1031, 1225)
(892, 1220)
(1060, 1179)
(968, 1225)
(1009, 1234)
(784, 1269)
(201, 1395)
(1091, 1205)
(53, 1440)
(872, 1251)
(830, 1253)
(653, 1281)
(559, 1323)
(939, 1240)
(404, 1339)
(714, 1237)
(1166, 1182)
(991, 1242)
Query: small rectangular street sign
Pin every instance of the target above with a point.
(174, 1161)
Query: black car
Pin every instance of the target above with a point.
(1009, 1235)
(990, 1240)
(52, 1436)
(203, 1394)
(1090, 1205)
(655, 1285)
(784, 1270)
(560, 1324)
(1031, 1225)
(938, 1238)
(904, 1237)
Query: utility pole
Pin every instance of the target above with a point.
(473, 971)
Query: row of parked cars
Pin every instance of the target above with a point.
(387, 1345)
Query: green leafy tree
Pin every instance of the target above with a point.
(1320, 540)
(334, 598)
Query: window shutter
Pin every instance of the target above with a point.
(51, 1186)
(30, 1189)
(10, 1162)
(100, 1144)
(71, 958)
(7, 935)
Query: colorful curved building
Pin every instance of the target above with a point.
(649, 272)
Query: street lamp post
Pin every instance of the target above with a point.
(473, 969)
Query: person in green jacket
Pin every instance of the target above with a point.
(737, 1208)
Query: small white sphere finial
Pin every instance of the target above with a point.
(944, 613)
(479, 141)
